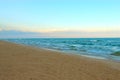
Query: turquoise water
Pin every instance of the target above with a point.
(99, 47)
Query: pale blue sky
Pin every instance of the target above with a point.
(61, 15)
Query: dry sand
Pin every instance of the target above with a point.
(19, 62)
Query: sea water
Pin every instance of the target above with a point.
(95, 47)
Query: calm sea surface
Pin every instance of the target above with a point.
(95, 47)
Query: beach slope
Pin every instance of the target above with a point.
(18, 62)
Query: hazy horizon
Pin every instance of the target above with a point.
(59, 19)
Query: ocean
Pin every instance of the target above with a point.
(91, 47)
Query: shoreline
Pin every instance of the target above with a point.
(65, 52)
(71, 53)
(95, 58)
(97, 55)
(19, 62)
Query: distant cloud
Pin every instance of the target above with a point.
(19, 34)
(84, 34)
(57, 34)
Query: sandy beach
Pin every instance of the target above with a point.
(18, 62)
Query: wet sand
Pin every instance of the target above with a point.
(18, 62)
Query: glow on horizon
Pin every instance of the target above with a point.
(49, 29)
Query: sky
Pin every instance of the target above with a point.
(59, 18)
